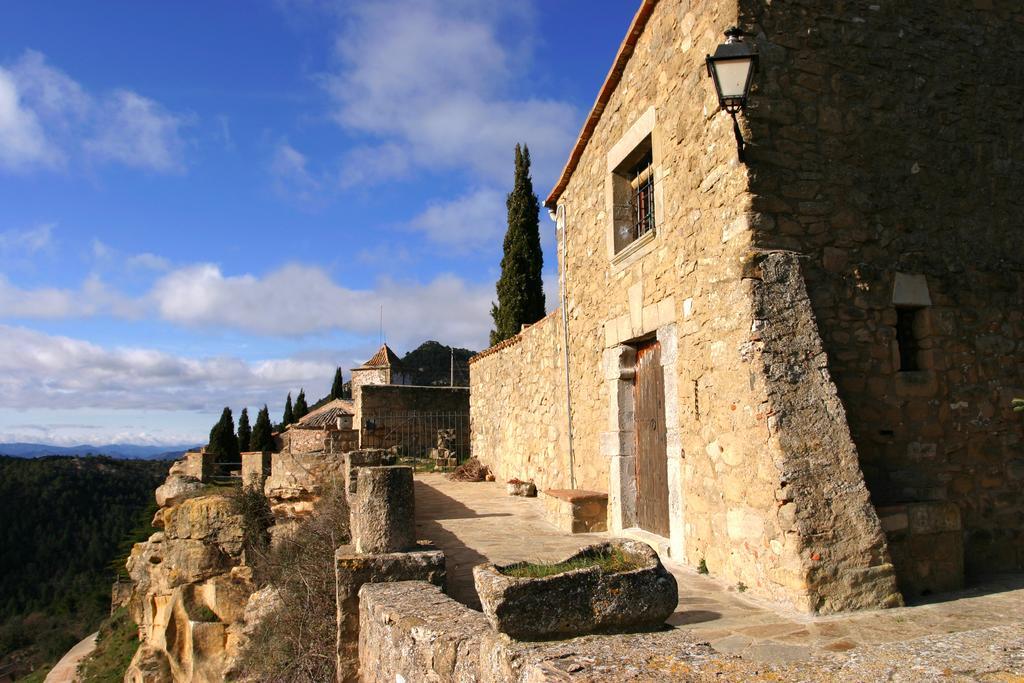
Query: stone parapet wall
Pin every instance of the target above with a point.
(299, 440)
(841, 178)
(518, 409)
(410, 631)
(343, 440)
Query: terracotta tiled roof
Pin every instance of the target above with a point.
(327, 414)
(611, 81)
(384, 358)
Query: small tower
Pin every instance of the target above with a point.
(383, 368)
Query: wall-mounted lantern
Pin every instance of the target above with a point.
(732, 69)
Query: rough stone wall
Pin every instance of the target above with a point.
(255, 468)
(297, 479)
(887, 137)
(691, 279)
(517, 408)
(733, 477)
(369, 377)
(402, 398)
(410, 631)
(387, 406)
(834, 551)
(297, 440)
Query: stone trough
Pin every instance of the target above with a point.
(580, 601)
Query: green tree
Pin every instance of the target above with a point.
(520, 288)
(300, 406)
(338, 387)
(262, 434)
(244, 431)
(288, 416)
(223, 441)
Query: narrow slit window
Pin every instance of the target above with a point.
(907, 340)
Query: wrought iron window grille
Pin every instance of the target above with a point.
(637, 218)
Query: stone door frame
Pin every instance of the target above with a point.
(619, 442)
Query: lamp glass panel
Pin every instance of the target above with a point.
(732, 76)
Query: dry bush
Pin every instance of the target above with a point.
(296, 642)
(471, 470)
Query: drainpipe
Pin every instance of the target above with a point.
(556, 216)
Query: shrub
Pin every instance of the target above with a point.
(296, 642)
(257, 518)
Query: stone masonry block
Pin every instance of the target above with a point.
(352, 570)
(383, 514)
(576, 511)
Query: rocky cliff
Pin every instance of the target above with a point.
(191, 591)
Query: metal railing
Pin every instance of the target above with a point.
(426, 436)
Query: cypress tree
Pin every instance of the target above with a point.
(244, 431)
(520, 288)
(223, 442)
(300, 406)
(338, 387)
(262, 437)
(288, 416)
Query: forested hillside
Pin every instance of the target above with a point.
(430, 364)
(63, 520)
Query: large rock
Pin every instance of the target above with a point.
(149, 665)
(580, 601)
(210, 519)
(176, 488)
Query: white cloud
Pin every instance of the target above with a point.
(465, 223)
(28, 241)
(299, 299)
(47, 118)
(38, 370)
(293, 301)
(290, 171)
(137, 132)
(148, 261)
(23, 145)
(433, 79)
(93, 298)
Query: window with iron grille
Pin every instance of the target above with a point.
(634, 189)
(642, 197)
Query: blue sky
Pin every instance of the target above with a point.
(206, 204)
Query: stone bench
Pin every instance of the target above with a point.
(576, 511)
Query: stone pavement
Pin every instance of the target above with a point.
(478, 522)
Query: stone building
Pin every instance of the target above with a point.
(327, 428)
(797, 368)
(383, 368)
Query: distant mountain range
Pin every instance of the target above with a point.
(125, 451)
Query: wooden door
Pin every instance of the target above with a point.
(651, 450)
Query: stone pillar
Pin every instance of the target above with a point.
(383, 514)
(255, 468)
